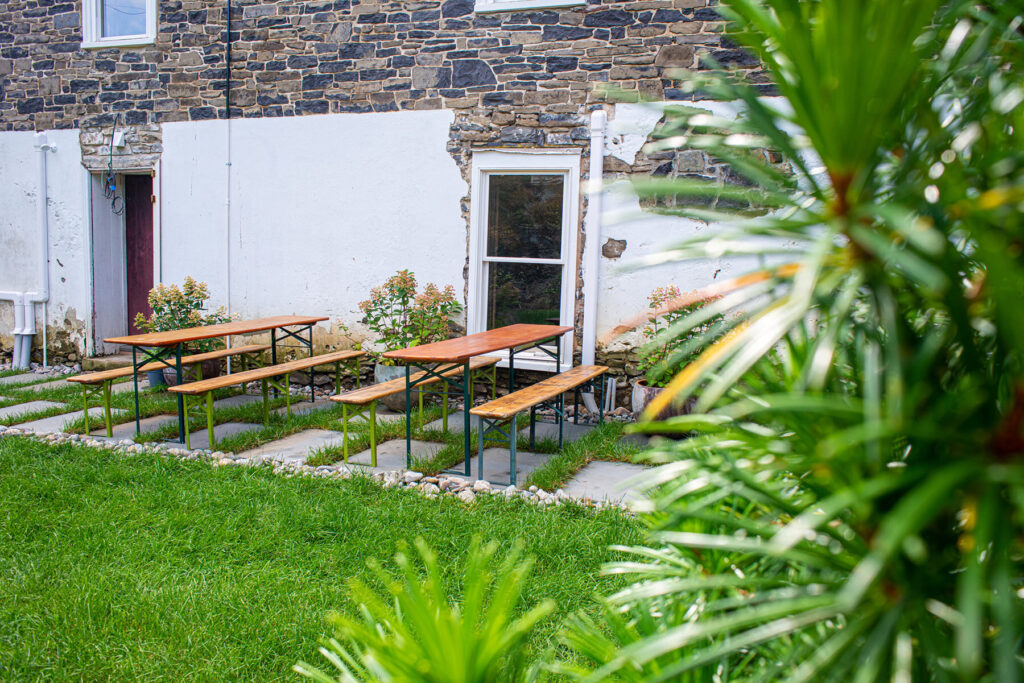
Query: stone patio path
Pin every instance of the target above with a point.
(598, 481)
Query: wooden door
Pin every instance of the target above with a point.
(138, 222)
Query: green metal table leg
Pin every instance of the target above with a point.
(408, 417)
(480, 449)
(188, 435)
(359, 372)
(512, 450)
(106, 406)
(209, 416)
(494, 381)
(421, 408)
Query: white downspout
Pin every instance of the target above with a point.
(591, 262)
(24, 311)
(43, 295)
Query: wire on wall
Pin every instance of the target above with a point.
(110, 180)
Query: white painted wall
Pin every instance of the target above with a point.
(323, 208)
(20, 251)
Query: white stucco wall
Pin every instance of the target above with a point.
(323, 208)
(20, 230)
(624, 283)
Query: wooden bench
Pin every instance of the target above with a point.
(548, 392)
(361, 401)
(268, 377)
(98, 383)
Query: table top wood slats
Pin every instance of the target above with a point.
(461, 348)
(511, 404)
(115, 373)
(173, 337)
(364, 395)
(205, 385)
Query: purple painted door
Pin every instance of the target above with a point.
(138, 222)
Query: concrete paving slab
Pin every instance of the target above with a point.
(128, 386)
(456, 422)
(18, 379)
(201, 439)
(58, 423)
(549, 430)
(497, 469)
(305, 406)
(126, 430)
(54, 384)
(29, 407)
(391, 454)
(293, 449)
(604, 481)
(237, 400)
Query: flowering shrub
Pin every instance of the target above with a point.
(174, 309)
(402, 318)
(663, 352)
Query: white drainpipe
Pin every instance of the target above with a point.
(24, 311)
(591, 261)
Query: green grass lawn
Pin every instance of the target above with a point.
(114, 568)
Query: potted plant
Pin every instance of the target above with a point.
(176, 308)
(664, 353)
(401, 317)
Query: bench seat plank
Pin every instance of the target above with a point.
(117, 373)
(206, 385)
(512, 404)
(396, 386)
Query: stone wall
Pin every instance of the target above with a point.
(298, 58)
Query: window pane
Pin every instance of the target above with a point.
(524, 216)
(523, 293)
(123, 17)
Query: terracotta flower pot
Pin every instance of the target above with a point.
(205, 370)
(643, 394)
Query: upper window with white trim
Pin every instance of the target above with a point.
(483, 6)
(117, 23)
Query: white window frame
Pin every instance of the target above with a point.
(92, 27)
(525, 162)
(488, 6)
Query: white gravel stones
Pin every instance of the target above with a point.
(466, 496)
(481, 486)
(412, 477)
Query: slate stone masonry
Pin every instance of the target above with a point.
(298, 58)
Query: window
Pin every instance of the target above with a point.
(523, 243)
(483, 6)
(114, 23)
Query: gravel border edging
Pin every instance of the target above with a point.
(429, 486)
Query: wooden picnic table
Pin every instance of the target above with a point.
(171, 343)
(439, 357)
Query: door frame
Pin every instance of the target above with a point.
(565, 162)
(92, 346)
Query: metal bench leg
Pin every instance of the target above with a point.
(576, 406)
(373, 432)
(444, 408)
(188, 435)
(512, 451)
(533, 427)
(561, 418)
(266, 408)
(106, 409)
(85, 408)
(337, 377)
(209, 417)
(344, 430)
(287, 394)
(480, 452)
